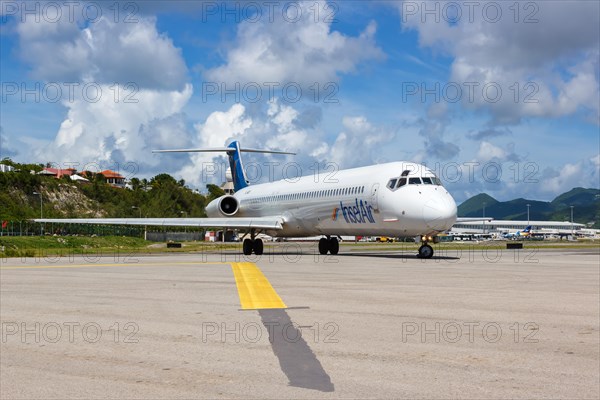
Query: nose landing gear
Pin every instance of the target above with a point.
(425, 251)
(329, 245)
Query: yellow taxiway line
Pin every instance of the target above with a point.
(254, 289)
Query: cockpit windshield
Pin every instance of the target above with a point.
(404, 179)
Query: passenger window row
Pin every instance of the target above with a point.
(309, 195)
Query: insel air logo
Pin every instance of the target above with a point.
(359, 213)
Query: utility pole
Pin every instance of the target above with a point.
(484, 217)
(41, 211)
(185, 216)
(572, 221)
(528, 205)
(140, 210)
(41, 204)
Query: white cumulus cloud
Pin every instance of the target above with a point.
(104, 52)
(542, 55)
(136, 81)
(302, 51)
(283, 127)
(107, 130)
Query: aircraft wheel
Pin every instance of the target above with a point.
(258, 247)
(247, 247)
(323, 246)
(334, 246)
(425, 251)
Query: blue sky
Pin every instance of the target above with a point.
(502, 88)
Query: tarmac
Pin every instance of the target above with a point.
(287, 325)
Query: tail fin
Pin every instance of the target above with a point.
(235, 160)
(237, 168)
(527, 229)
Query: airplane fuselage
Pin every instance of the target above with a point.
(359, 201)
(394, 199)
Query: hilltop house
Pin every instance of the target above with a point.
(112, 178)
(59, 173)
(6, 168)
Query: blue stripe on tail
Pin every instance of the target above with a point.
(237, 168)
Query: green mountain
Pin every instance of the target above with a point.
(577, 197)
(474, 205)
(586, 210)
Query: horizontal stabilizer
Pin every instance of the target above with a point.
(233, 151)
(222, 149)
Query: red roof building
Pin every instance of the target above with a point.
(114, 178)
(57, 172)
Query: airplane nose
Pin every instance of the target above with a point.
(439, 212)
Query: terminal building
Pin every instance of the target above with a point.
(499, 227)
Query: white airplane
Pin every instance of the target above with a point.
(398, 199)
(518, 234)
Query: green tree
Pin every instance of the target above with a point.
(214, 192)
(135, 184)
(163, 180)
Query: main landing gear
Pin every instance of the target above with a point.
(329, 245)
(252, 245)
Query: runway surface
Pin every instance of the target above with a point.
(509, 324)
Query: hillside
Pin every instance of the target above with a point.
(162, 196)
(585, 201)
(577, 197)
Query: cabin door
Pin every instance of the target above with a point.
(374, 196)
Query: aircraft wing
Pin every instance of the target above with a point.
(275, 223)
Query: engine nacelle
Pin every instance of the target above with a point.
(224, 206)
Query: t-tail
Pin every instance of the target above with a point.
(237, 168)
(235, 160)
